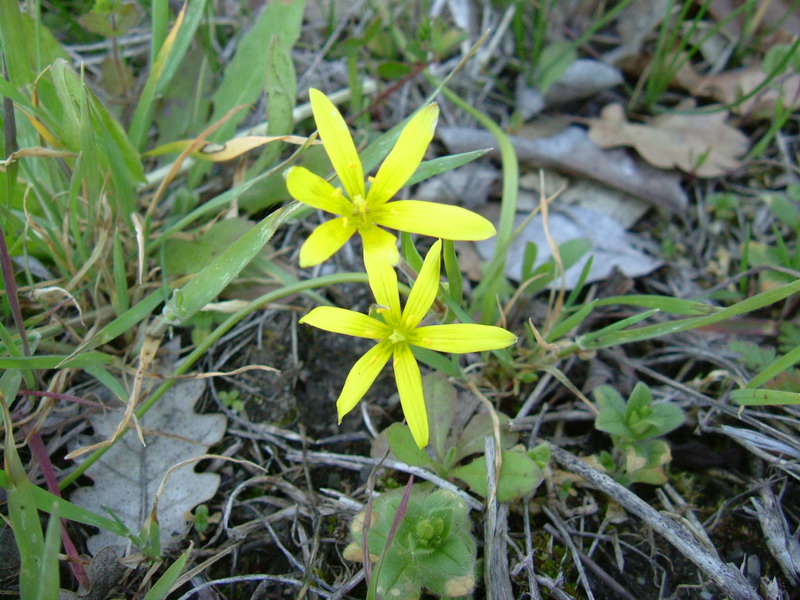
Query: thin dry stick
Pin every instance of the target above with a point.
(725, 576)
(496, 577)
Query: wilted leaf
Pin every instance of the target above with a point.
(571, 151)
(128, 474)
(702, 144)
(227, 151)
(609, 243)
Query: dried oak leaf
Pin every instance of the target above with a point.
(128, 475)
(729, 86)
(701, 144)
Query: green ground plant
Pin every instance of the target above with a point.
(430, 546)
(634, 425)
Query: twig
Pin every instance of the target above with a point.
(726, 577)
(356, 463)
(496, 577)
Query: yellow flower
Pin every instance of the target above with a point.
(364, 210)
(397, 332)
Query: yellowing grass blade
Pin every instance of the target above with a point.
(227, 151)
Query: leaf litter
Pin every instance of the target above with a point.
(701, 144)
(128, 476)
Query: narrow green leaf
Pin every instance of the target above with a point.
(22, 513)
(49, 577)
(214, 277)
(170, 54)
(44, 501)
(661, 329)
(126, 321)
(668, 304)
(87, 359)
(749, 397)
(164, 584)
(443, 164)
(775, 368)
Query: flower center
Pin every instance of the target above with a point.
(360, 208)
(397, 336)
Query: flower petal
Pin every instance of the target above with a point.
(348, 322)
(409, 384)
(383, 282)
(379, 244)
(311, 189)
(460, 338)
(338, 143)
(405, 157)
(425, 288)
(361, 377)
(325, 240)
(433, 219)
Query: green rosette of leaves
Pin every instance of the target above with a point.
(432, 548)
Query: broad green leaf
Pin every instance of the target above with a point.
(246, 74)
(402, 444)
(471, 440)
(440, 401)
(519, 475)
(281, 93)
(554, 60)
(638, 402)
(666, 418)
(611, 417)
(185, 257)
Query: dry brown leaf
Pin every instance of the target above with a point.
(729, 86)
(701, 144)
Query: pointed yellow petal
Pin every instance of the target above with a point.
(383, 283)
(338, 143)
(325, 240)
(348, 322)
(460, 338)
(405, 157)
(409, 384)
(436, 220)
(379, 244)
(425, 288)
(311, 189)
(361, 377)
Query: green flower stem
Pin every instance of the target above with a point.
(222, 329)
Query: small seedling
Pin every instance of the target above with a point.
(637, 456)
(231, 399)
(433, 547)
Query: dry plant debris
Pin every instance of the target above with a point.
(701, 144)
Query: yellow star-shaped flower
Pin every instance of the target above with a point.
(367, 210)
(397, 332)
